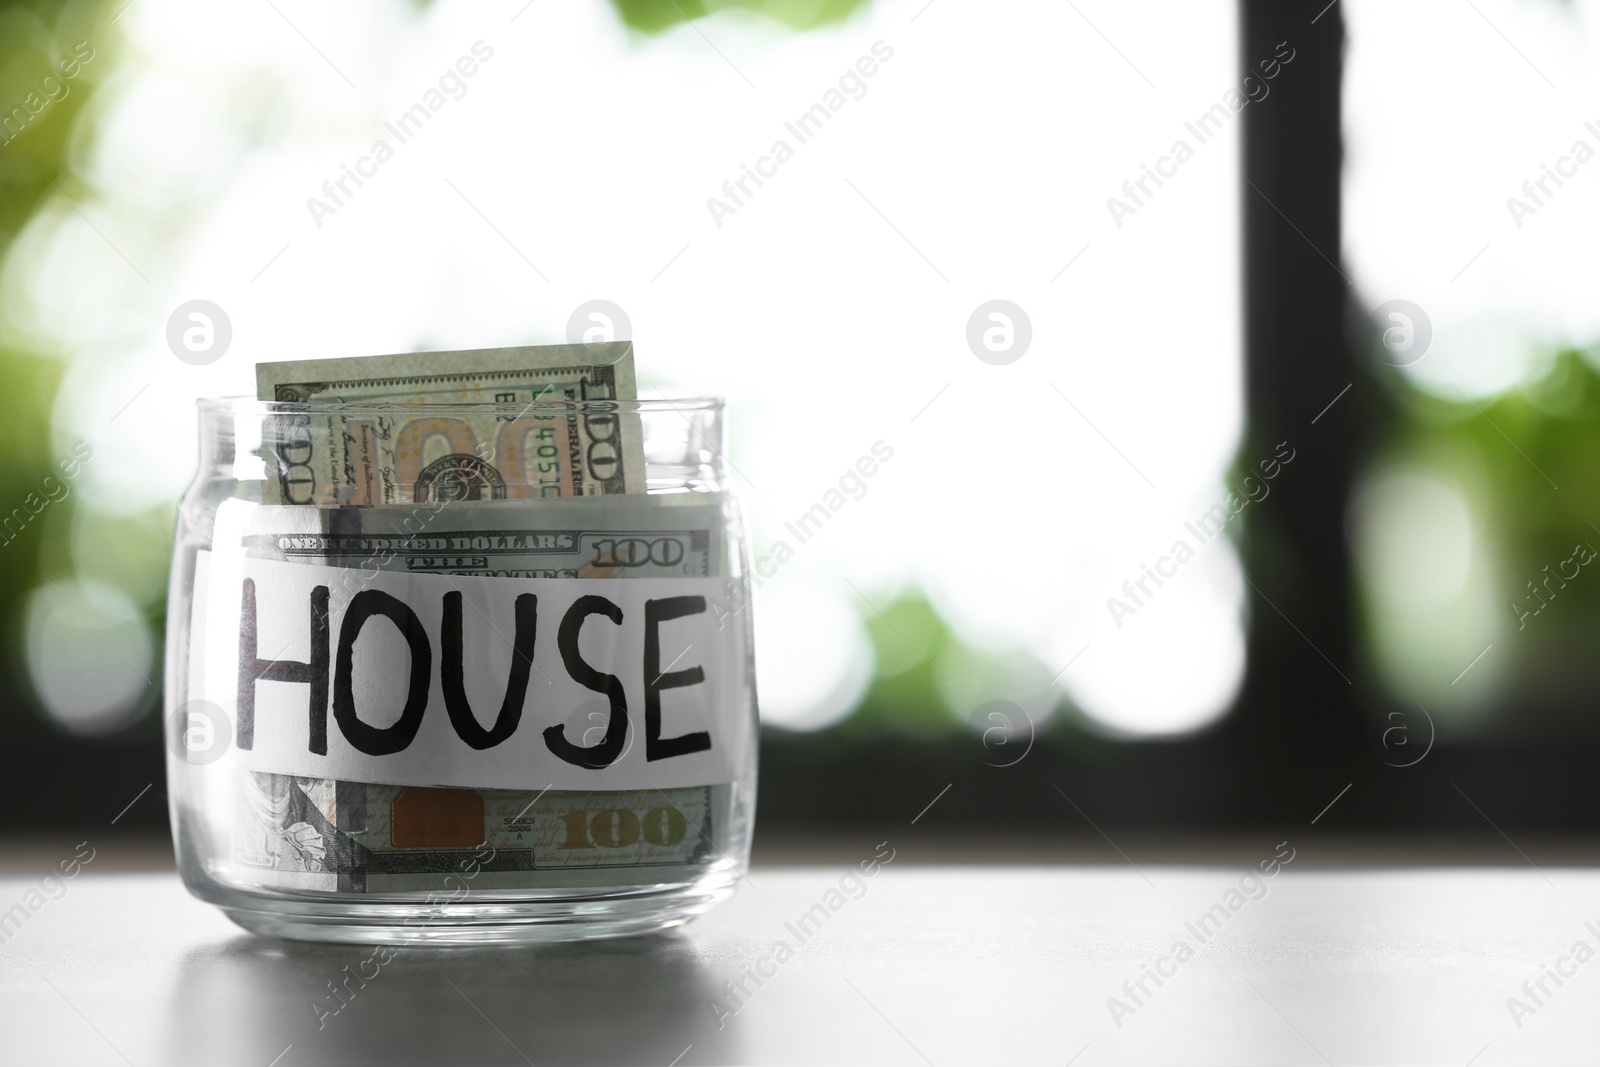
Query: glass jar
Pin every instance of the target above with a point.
(460, 673)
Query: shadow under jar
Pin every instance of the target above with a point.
(460, 673)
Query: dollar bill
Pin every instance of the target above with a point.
(319, 834)
(678, 535)
(389, 447)
(512, 494)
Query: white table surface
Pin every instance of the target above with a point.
(938, 965)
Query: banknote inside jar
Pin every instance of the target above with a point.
(373, 475)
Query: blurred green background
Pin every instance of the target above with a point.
(1464, 508)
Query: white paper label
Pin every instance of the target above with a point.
(430, 679)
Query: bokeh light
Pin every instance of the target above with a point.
(976, 163)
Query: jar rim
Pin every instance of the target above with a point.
(246, 405)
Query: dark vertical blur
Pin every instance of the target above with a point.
(1298, 361)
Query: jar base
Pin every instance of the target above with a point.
(627, 913)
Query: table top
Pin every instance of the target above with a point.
(917, 965)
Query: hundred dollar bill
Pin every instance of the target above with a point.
(341, 836)
(636, 536)
(388, 451)
(319, 834)
(507, 494)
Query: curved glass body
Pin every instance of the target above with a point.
(460, 673)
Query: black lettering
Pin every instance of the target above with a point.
(657, 612)
(373, 740)
(451, 673)
(313, 672)
(610, 747)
